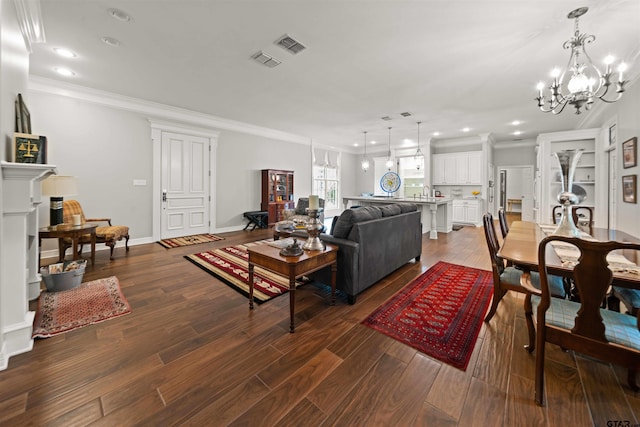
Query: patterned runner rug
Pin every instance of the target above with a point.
(231, 265)
(189, 240)
(89, 303)
(440, 313)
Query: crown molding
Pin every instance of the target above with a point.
(29, 16)
(157, 112)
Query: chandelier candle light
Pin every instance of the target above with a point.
(581, 82)
(314, 227)
(568, 160)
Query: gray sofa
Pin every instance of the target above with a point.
(374, 241)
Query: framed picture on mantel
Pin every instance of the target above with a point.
(29, 148)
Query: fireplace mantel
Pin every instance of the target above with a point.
(19, 252)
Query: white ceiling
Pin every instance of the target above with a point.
(452, 64)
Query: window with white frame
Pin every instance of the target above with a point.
(326, 179)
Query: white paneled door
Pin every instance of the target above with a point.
(184, 185)
(527, 193)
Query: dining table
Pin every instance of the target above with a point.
(520, 246)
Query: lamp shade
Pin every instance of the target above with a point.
(59, 185)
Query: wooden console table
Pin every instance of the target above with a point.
(73, 232)
(267, 256)
(511, 202)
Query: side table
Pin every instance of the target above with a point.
(267, 256)
(73, 232)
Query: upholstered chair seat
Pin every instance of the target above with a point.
(107, 233)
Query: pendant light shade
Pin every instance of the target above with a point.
(389, 163)
(419, 157)
(365, 161)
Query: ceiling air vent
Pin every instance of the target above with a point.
(266, 60)
(406, 114)
(386, 118)
(290, 44)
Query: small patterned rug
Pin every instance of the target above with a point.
(440, 313)
(189, 240)
(231, 265)
(89, 303)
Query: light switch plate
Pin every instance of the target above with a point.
(139, 182)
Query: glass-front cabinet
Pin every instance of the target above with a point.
(277, 193)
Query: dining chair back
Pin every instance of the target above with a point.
(582, 326)
(504, 225)
(582, 217)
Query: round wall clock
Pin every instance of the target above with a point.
(390, 182)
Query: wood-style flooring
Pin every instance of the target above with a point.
(191, 353)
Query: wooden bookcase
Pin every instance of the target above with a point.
(277, 193)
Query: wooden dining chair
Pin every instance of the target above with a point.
(582, 217)
(506, 278)
(582, 327)
(502, 219)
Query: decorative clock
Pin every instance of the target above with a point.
(390, 182)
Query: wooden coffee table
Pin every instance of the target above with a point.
(268, 257)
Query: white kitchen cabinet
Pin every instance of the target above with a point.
(457, 168)
(468, 211)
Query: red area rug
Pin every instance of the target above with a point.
(231, 265)
(89, 303)
(189, 240)
(439, 313)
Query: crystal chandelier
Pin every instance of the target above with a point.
(389, 163)
(365, 161)
(581, 82)
(418, 157)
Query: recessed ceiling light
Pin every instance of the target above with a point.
(355, 145)
(110, 41)
(436, 133)
(66, 53)
(516, 122)
(64, 71)
(120, 15)
(518, 132)
(373, 142)
(466, 129)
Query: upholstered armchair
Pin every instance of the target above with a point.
(107, 234)
(300, 212)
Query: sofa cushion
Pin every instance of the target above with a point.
(407, 207)
(345, 221)
(390, 210)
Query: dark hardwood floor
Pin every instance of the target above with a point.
(191, 353)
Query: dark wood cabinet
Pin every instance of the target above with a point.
(277, 193)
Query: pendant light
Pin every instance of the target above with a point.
(389, 163)
(419, 157)
(365, 161)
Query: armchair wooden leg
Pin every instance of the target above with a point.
(111, 245)
(126, 242)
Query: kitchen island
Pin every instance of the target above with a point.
(436, 211)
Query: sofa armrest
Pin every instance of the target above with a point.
(107, 220)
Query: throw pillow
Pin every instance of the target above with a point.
(343, 225)
(407, 207)
(390, 210)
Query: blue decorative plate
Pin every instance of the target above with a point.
(390, 182)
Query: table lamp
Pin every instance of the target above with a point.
(56, 187)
